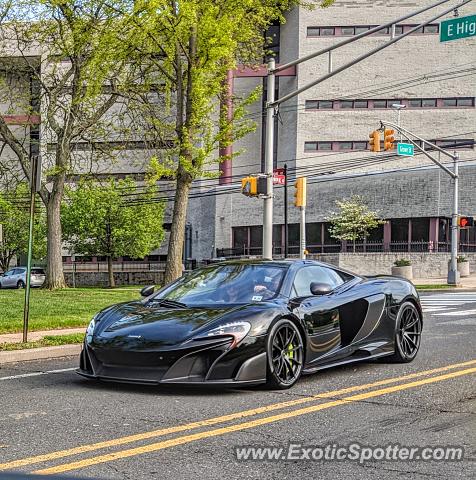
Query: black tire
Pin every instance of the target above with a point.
(285, 352)
(407, 334)
(20, 284)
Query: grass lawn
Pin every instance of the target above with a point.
(46, 341)
(72, 307)
(436, 286)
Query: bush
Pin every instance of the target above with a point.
(402, 262)
(461, 259)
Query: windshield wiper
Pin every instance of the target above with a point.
(165, 302)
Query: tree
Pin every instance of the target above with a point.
(101, 219)
(69, 57)
(189, 46)
(14, 224)
(353, 221)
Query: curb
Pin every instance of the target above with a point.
(447, 290)
(39, 353)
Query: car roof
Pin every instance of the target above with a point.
(285, 262)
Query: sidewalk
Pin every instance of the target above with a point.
(467, 283)
(32, 336)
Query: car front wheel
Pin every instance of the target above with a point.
(285, 351)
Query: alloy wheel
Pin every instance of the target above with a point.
(409, 331)
(287, 353)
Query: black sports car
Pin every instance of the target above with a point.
(253, 321)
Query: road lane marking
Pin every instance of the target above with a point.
(216, 420)
(37, 374)
(154, 447)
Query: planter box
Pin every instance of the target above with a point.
(463, 268)
(405, 272)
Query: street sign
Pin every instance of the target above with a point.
(461, 27)
(405, 149)
(278, 177)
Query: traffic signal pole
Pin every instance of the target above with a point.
(272, 104)
(268, 165)
(453, 274)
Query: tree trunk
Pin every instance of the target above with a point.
(54, 269)
(110, 273)
(177, 232)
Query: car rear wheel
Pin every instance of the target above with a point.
(21, 284)
(285, 351)
(408, 334)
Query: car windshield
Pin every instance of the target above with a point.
(226, 284)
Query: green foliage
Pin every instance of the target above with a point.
(402, 262)
(46, 341)
(461, 259)
(354, 220)
(65, 308)
(15, 221)
(109, 220)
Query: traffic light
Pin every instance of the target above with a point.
(388, 139)
(249, 186)
(300, 193)
(374, 142)
(465, 222)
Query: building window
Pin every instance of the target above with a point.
(432, 28)
(415, 103)
(460, 102)
(345, 145)
(346, 104)
(428, 102)
(310, 146)
(313, 31)
(449, 102)
(359, 145)
(465, 102)
(347, 31)
(327, 31)
(325, 104)
(350, 30)
(324, 145)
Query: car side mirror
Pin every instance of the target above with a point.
(318, 288)
(147, 291)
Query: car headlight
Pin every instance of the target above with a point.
(238, 330)
(90, 330)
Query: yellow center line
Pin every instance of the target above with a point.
(154, 447)
(216, 420)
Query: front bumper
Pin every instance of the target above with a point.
(207, 363)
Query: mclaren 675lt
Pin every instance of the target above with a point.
(253, 321)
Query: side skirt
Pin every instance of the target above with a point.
(344, 361)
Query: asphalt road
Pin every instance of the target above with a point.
(58, 422)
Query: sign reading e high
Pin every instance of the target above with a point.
(460, 27)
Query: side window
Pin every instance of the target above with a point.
(307, 275)
(7, 274)
(332, 277)
(17, 271)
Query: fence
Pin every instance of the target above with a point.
(350, 247)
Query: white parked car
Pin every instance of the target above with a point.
(16, 277)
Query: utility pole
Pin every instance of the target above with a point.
(286, 245)
(272, 104)
(35, 183)
(302, 233)
(453, 274)
(268, 165)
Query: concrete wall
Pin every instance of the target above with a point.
(425, 265)
(100, 279)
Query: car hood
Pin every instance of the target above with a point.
(159, 326)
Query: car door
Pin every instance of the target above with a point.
(320, 314)
(7, 279)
